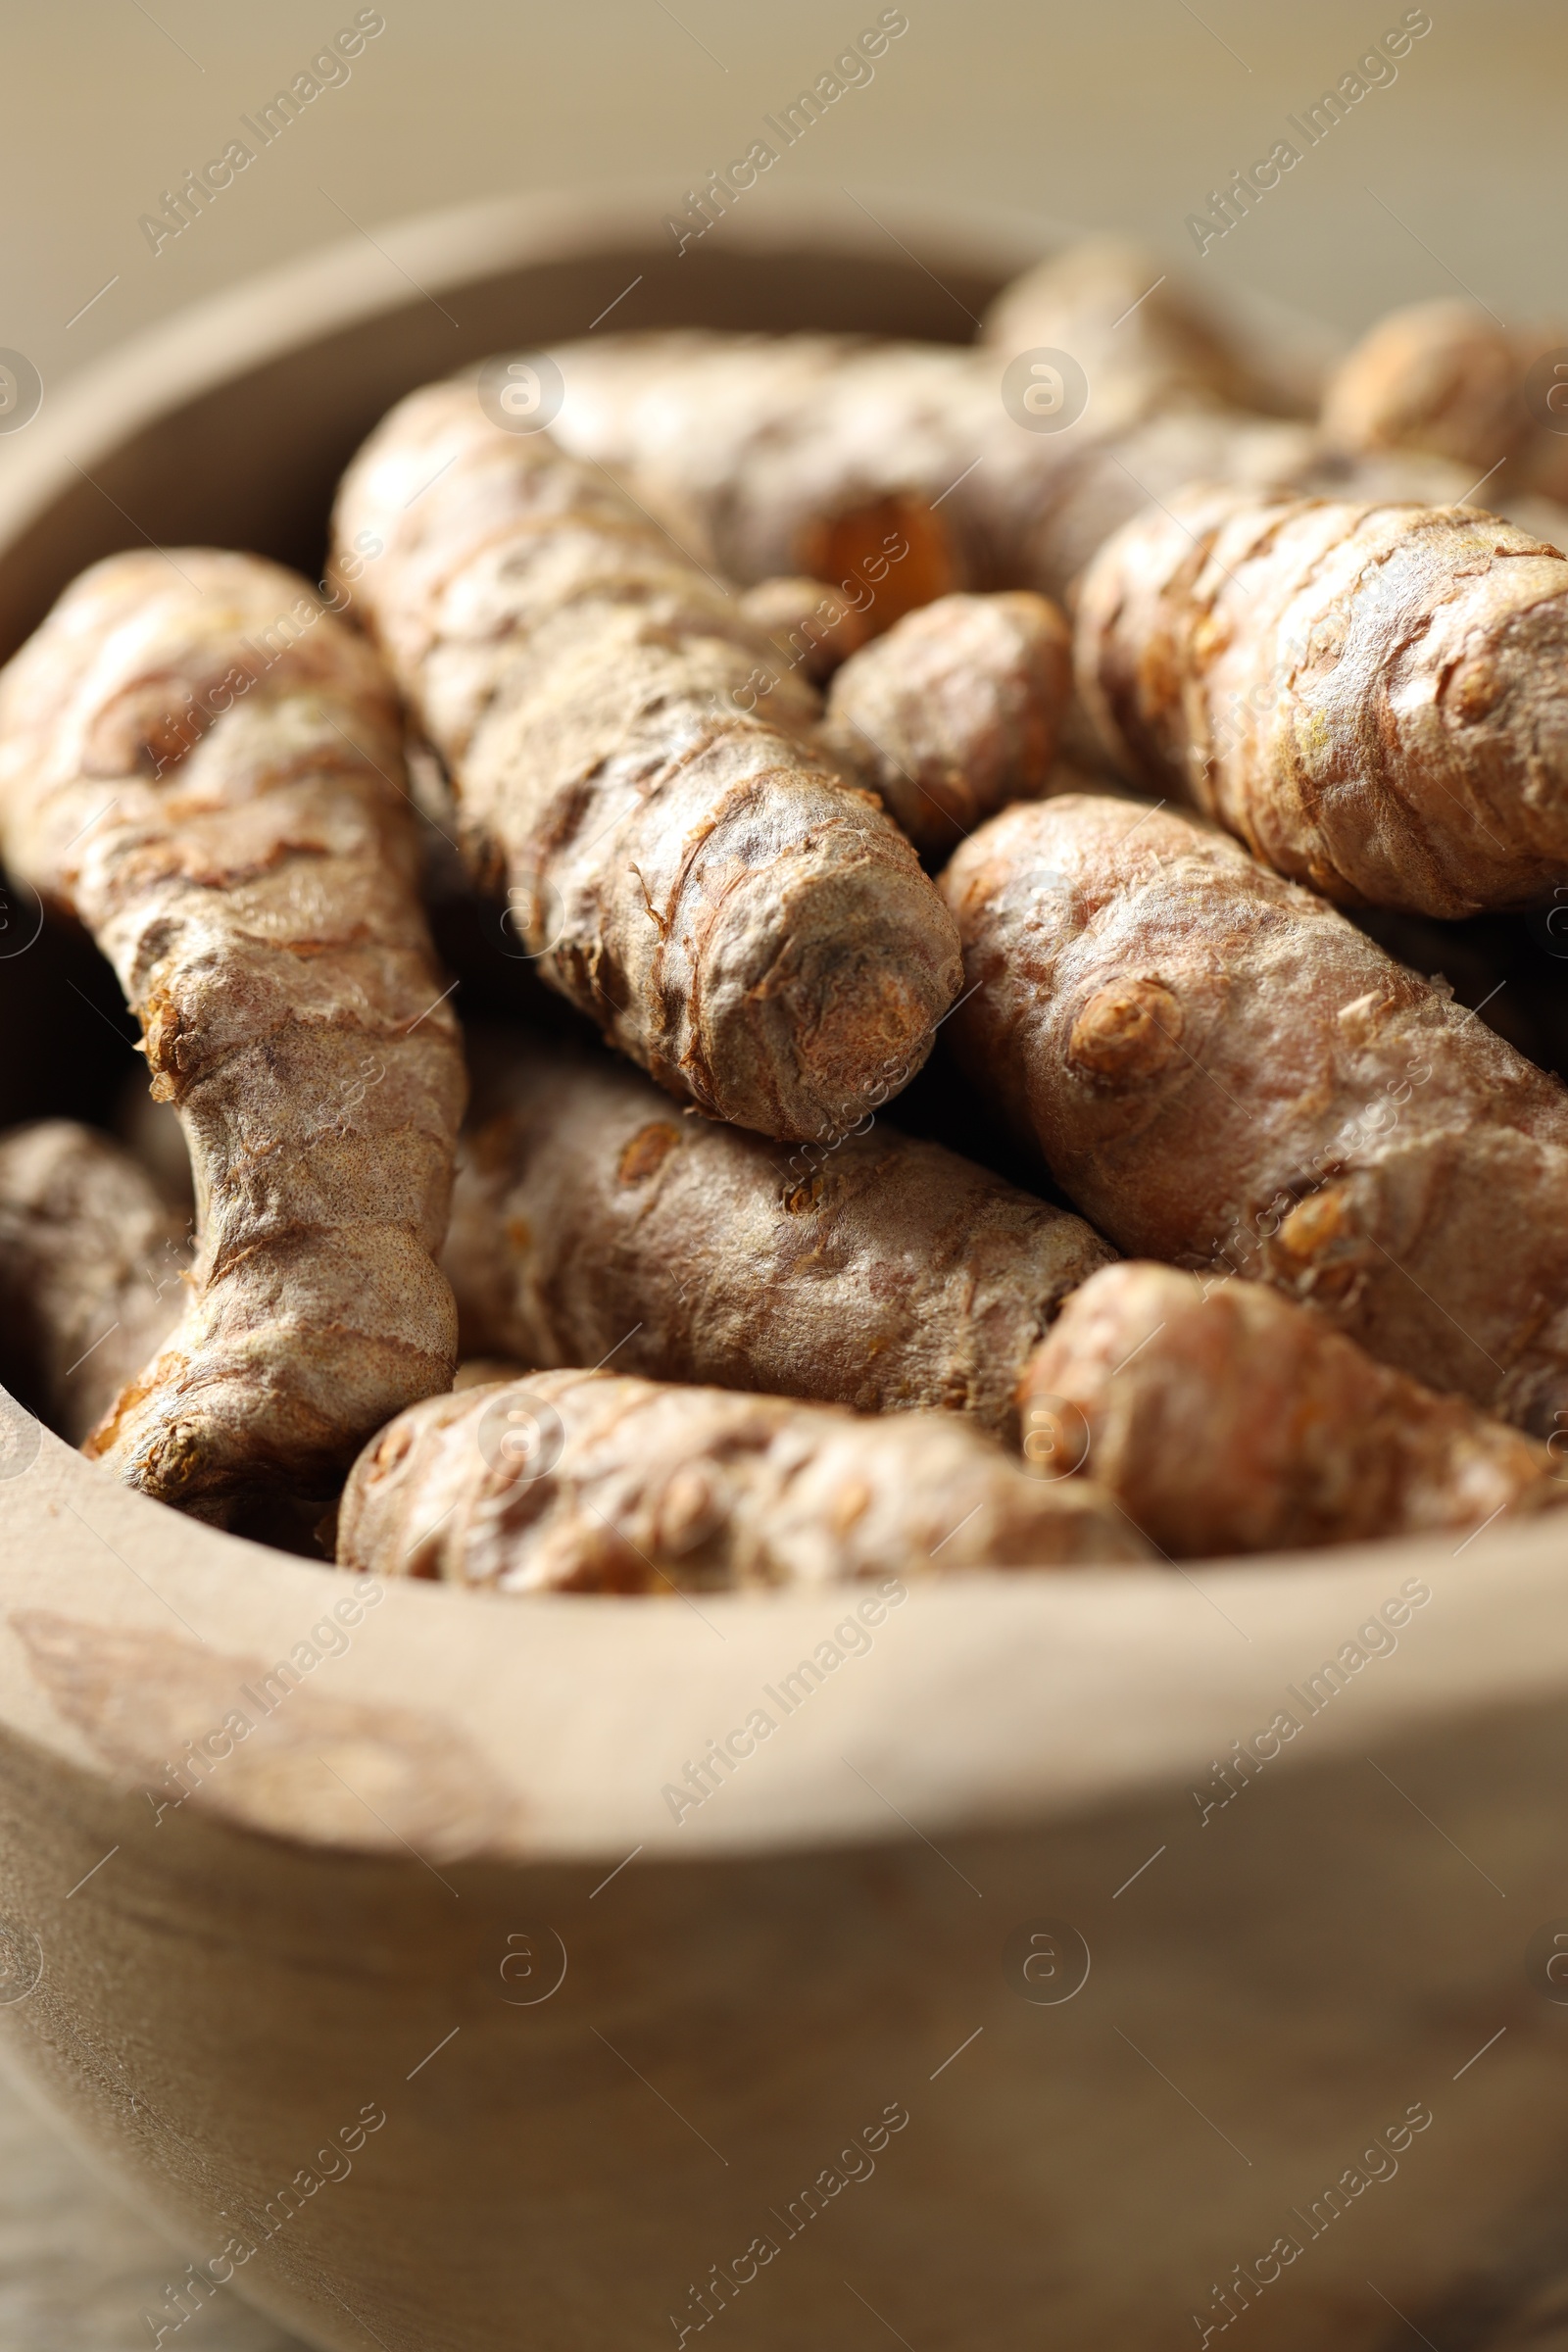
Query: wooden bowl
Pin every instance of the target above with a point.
(1022, 1985)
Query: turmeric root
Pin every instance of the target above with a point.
(898, 469)
(484, 1371)
(954, 711)
(588, 1482)
(1144, 343)
(755, 932)
(201, 763)
(1494, 967)
(889, 466)
(1448, 377)
(809, 623)
(1221, 1070)
(1374, 699)
(1227, 1418)
(91, 1258)
(588, 1224)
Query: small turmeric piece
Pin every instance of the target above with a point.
(589, 1223)
(629, 758)
(590, 1482)
(91, 1260)
(1374, 699)
(811, 624)
(954, 711)
(1222, 1071)
(202, 763)
(1448, 377)
(1227, 1418)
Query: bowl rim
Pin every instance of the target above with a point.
(1033, 1695)
(353, 280)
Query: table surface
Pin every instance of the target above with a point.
(79, 2270)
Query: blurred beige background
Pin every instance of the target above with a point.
(1117, 113)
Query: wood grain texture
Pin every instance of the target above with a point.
(243, 1972)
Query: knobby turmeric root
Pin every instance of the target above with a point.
(629, 757)
(91, 1258)
(1142, 341)
(954, 711)
(1448, 377)
(1374, 699)
(1221, 1070)
(203, 763)
(586, 1482)
(812, 626)
(1225, 1417)
(1494, 967)
(897, 472)
(588, 1223)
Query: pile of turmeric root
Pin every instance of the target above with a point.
(800, 714)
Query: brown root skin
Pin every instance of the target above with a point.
(770, 454)
(1374, 699)
(813, 627)
(590, 1220)
(1144, 342)
(92, 1260)
(1226, 1418)
(485, 1371)
(954, 711)
(630, 759)
(643, 1488)
(828, 453)
(1220, 1070)
(203, 765)
(1445, 376)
